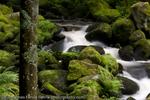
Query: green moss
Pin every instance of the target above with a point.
(78, 68)
(45, 58)
(90, 53)
(122, 28)
(5, 9)
(52, 89)
(89, 90)
(102, 11)
(57, 78)
(137, 35)
(110, 84)
(7, 59)
(110, 63)
(45, 30)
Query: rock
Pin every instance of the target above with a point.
(90, 53)
(101, 11)
(88, 90)
(129, 86)
(121, 30)
(136, 35)
(148, 97)
(47, 87)
(80, 68)
(57, 36)
(56, 78)
(148, 70)
(79, 48)
(46, 59)
(126, 53)
(140, 13)
(100, 32)
(141, 49)
(130, 98)
(110, 63)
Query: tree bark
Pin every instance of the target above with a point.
(28, 50)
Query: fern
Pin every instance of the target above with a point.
(8, 77)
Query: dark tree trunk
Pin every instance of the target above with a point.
(28, 50)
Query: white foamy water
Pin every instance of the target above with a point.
(74, 38)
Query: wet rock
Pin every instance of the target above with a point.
(141, 49)
(57, 36)
(57, 78)
(126, 53)
(100, 32)
(79, 48)
(148, 70)
(148, 97)
(129, 86)
(130, 98)
(121, 30)
(141, 15)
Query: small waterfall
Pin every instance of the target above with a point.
(74, 38)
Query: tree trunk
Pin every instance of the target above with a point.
(28, 50)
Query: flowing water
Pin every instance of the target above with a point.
(133, 70)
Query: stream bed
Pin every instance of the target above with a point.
(133, 70)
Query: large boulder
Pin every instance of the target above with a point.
(136, 35)
(90, 53)
(129, 86)
(141, 49)
(101, 11)
(57, 78)
(110, 63)
(100, 32)
(89, 90)
(80, 68)
(141, 15)
(79, 48)
(148, 70)
(122, 29)
(126, 53)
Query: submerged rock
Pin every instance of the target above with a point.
(129, 86)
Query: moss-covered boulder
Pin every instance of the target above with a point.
(100, 10)
(122, 29)
(141, 49)
(111, 84)
(136, 35)
(110, 63)
(57, 78)
(49, 89)
(7, 59)
(101, 32)
(80, 68)
(45, 31)
(79, 48)
(141, 15)
(129, 86)
(90, 53)
(126, 53)
(88, 90)
(46, 60)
